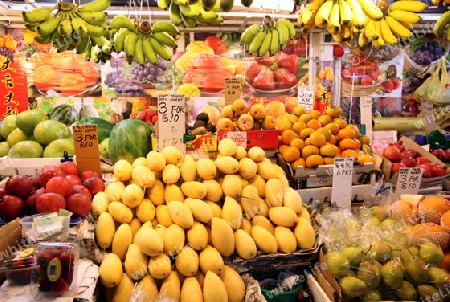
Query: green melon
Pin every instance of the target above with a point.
(26, 149)
(27, 120)
(47, 131)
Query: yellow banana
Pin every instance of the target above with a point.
(370, 30)
(290, 27)
(333, 18)
(122, 21)
(190, 10)
(48, 26)
(210, 15)
(358, 16)
(250, 33)
(332, 29)
(160, 50)
(304, 30)
(307, 15)
(95, 6)
(380, 42)
(283, 32)
(409, 6)
(345, 12)
(256, 42)
(362, 39)
(441, 23)
(397, 28)
(323, 13)
(94, 18)
(175, 14)
(265, 45)
(37, 15)
(165, 39)
(274, 42)
(139, 52)
(404, 16)
(148, 51)
(386, 32)
(371, 10)
(79, 26)
(164, 26)
(378, 30)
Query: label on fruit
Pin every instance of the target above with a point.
(171, 121)
(85, 138)
(233, 89)
(341, 189)
(46, 225)
(408, 181)
(306, 97)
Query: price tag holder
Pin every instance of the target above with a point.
(306, 97)
(341, 189)
(233, 90)
(85, 138)
(171, 121)
(408, 181)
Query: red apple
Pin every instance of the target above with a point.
(81, 189)
(69, 168)
(60, 185)
(392, 153)
(396, 167)
(47, 172)
(446, 155)
(30, 202)
(35, 180)
(88, 174)
(439, 153)
(422, 160)
(438, 170)
(78, 204)
(94, 185)
(50, 202)
(2, 192)
(73, 179)
(19, 185)
(408, 161)
(426, 169)
(11, 206)
(399, 145)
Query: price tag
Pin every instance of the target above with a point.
(85, 138)
(306, 97)
(233, 89)
(171, 121)
(341, 190)
(365, 108)
(408, 181)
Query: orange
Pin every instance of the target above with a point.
(364, 139)
(297, 142)
(300, 162)
(326, 132)
(340, 122)
(355, 128)
(282, 124)
(287, 136)
(333, 139)
(329, 150)
(328, 160)
(346, 133)
(282, 148)
(317, 139)
(298, 110)
(313, 161)
(324, 119)
(292, 118)
(305, 133)
(313, 124)
(349, 153)
(290, 154)
(333, 127)
(310, 150)
(347, 143)
(333, 111)
(71, 84)
(364, 158)
(308, 142)
(357, 143)
(298, 126)
(314, 114)
(305, 117)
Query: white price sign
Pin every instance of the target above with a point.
(341, 189)
(171, 121)
(306, 97)
(408, 181)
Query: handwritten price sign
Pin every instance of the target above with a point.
(408, 181)
(85, 139)
(233, 89)
(171, 120)
(306, 97)
(341, 190)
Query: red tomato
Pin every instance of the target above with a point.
(216, 44)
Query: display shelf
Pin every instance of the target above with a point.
(25, 166)
(323, 194)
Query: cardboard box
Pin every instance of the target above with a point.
(266, 139)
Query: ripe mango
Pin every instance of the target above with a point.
(305, 214)
(173, 240)
(197, 236)
(245, 245)
(264, 240)
(232, 186)
(124, 289)
(283, 216)
(160, 266)
(149, 241)
(201, 211)
(214, 289)
(99, 204)
(156, 161)
(104, 230)
(257, 154)
(260, 185)
(135, 262)
(191, 290)
(227, 147)
(172, 155)
(122, 239)
(222, 236)
(171, 174)
(250, 201)
(156, 193)
(180, 214)
(216, 209)
(227, 164)
(135, 225)
(188, 168)
(266, 170)
(114, 190)
(146, 211)
(232, 212)
(147, 289)
(274, 192)
(246, 225)
(214, 191)
(173, 192)
(287, 242)
(122, 170)
(194, 189)
(187, 262)
(305, 234)
(293, 200)
(247, 168)
(234, 284)
(110, 270)
(143, 176)
(120, 212)
(206, 168)
(132, 195)
(211, 260)
(263, 222)
(163, 215)
(171, 288)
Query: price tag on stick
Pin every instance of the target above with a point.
(341, 190)
(233, 90)
(171, 121)
(85, 138)
(306, 97)
(408, 181)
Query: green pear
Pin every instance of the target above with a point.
(380, 251)
(427, 292)
(352, 287)
(392, 274)
(354, 254)
(406, 292)
(387, 293)
(431, 254)
(409, 254)
(369, 273)
(438, 276)
(379, 212)
(416, 270)
(338, 264)
(372, 295)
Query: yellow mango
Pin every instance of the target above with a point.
(245, 245)
(264, 240)
(283, 216)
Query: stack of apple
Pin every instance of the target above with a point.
(442, 154)
(53, 188)
(401, 158)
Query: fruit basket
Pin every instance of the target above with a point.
(424, 58)
(361, 75)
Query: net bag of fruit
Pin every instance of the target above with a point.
(444, 92)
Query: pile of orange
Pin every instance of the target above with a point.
(311, 138)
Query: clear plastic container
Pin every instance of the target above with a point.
(20, 267)
(57, 267)
(43, 226)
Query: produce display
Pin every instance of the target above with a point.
(241, 201)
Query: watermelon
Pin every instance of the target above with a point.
(65, 114)
(104, 127)
(130, 139)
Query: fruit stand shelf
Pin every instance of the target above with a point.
(25, 166)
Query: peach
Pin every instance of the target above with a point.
(240, 106)
(225, 124)
(268, 123)
(227, 112)
(257, 111)
(245, 122)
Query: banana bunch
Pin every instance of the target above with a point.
(441, 25)
(68, 26)
(190, 14)
(268, 37)
(442, 116)
(141, 41)
(98, 50)
(396, 24)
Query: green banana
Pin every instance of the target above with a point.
(139, 52)
(79, 26)
(189, 22)
(122, 21)
(95, 6)
(87, 52)
(164, 26)
(265, 45)
(160, 50)
(83, 44)
(65, 28)
(31, 27)
(100, 41)
(60, 43)
(209, 4)
(163, 4)
(119, 39)
(290, 26)
(274, 42)
(256, 42)
(107, 48)
(283, 32)
(43, 39)
(94, 30)
(48, 26)
(215, 21)
(175, 14)
(148, 51)
(209, 16)
(94, 18)
(190, 10)
(130, 43)
(250, 33)
(37, 15)
(94, 57)
(441, 23)
(226, 5)
(165, 39)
